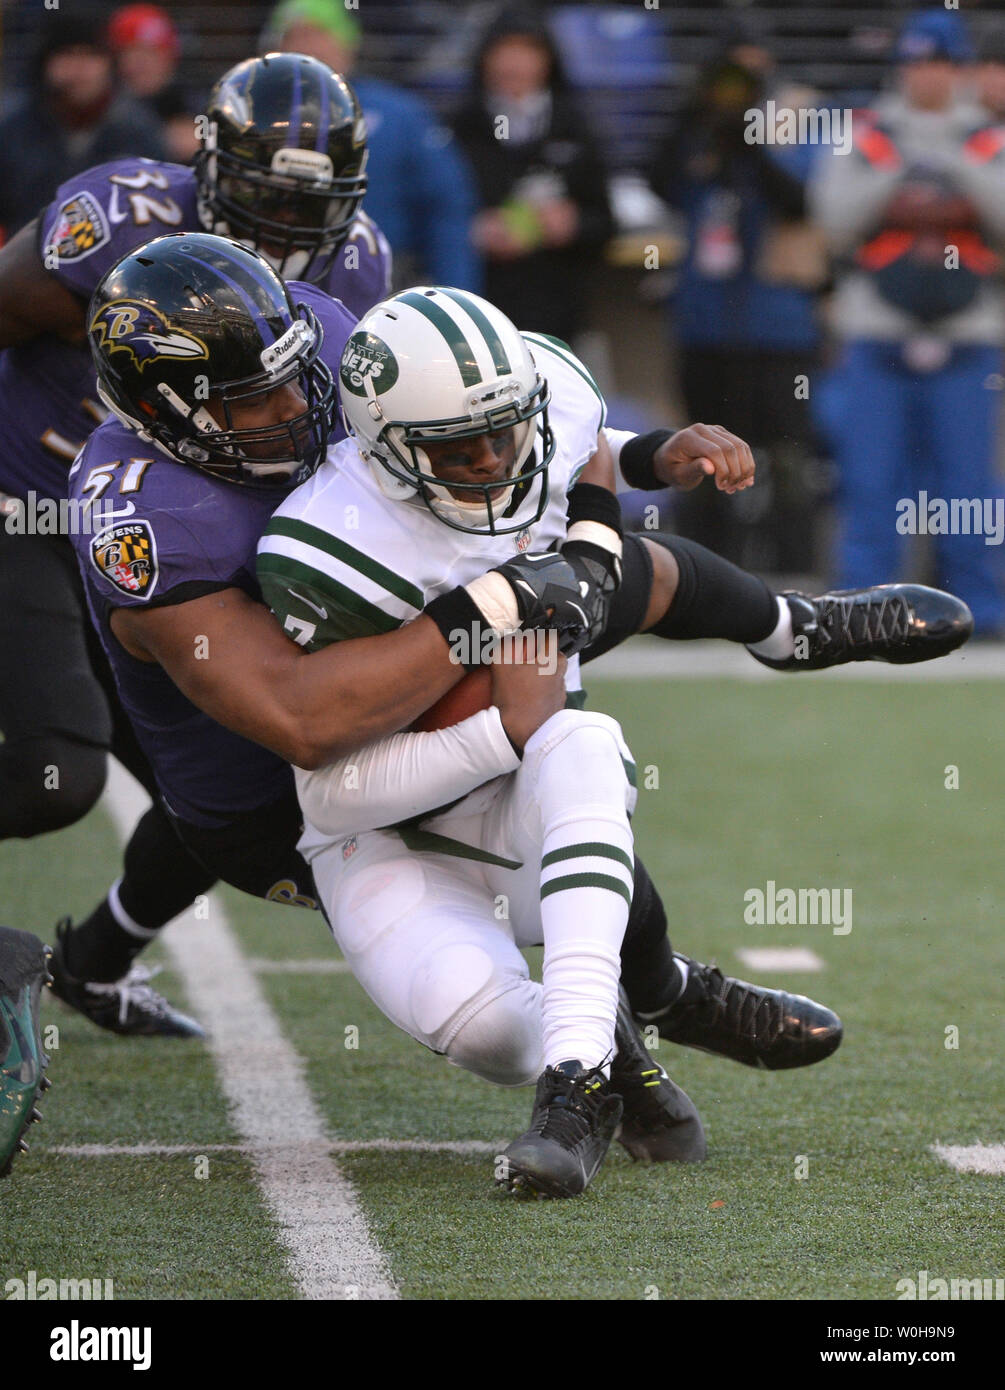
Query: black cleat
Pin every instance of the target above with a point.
(898, 623)
(659, 1123)
(573, 1122)
(24, 968)
(758, 1027)
(128, 1006)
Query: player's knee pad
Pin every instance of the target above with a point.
(501, 1041)
(581, 757)
(47, 782)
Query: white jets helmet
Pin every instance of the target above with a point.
(440, 364)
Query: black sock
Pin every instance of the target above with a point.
(99, 949)
(648, 973)
(714, 598)
(161, 879)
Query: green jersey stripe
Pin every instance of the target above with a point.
(354, 559)
(467, 363)
(592, 849)
(613, 885)
(495, 344)
(281, 567)
(554, 345)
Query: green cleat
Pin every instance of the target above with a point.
(24, 969)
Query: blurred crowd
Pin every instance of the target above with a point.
(832, 288)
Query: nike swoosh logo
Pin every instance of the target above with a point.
(321, 612)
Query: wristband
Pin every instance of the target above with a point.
(589, 502)
(636, 461)
(461, 624)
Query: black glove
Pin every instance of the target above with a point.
(599, 575)
(597, 568)
(549, 595)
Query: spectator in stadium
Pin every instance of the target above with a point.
(544, 209)
(916, 212)
(70, 119)
(743, 313)
(990, 74)
(421, 191)
(147, 48)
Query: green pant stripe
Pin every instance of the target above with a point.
(594, 848)
(613, 885)
(417, 839)
(355, 559)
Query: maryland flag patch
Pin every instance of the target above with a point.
(80, 228)
(126, 555)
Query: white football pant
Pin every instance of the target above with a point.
(434, 938)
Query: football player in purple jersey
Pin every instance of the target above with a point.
(289, 180)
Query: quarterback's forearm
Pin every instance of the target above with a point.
(405, 775)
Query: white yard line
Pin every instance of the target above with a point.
(973, 1158)
(652, 658)
(794, 958)
(338, 1146)
(262, 965)
(332, 1253)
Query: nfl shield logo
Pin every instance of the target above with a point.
(523, 541)
(349, 847)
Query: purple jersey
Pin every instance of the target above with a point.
(48, 397)
(178, 533)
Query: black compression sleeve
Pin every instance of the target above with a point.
(714, 598)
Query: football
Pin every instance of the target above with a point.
(472, 693)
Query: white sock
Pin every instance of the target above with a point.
(780, 642)
(583, 929)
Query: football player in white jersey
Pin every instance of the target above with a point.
(438, 854)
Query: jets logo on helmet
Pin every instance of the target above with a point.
(142, 331)
(432, 365)
(367, 358)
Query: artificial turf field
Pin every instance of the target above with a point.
(810, 782)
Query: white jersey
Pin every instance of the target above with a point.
(339, 559)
